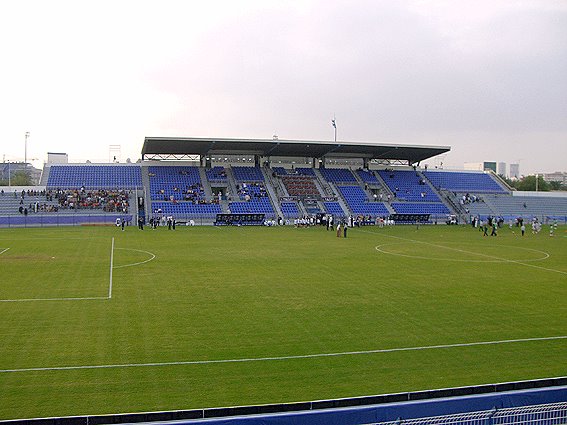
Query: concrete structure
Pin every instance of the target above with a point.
(480, 166)
(558, 176)
(514, 171)
(57, 158)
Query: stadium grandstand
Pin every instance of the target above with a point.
(194, 179)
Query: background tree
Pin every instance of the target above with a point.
(528, 183)
(19, 178)
(556, 186)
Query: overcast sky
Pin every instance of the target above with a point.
(487, 78)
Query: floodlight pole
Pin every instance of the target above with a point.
(334, 122)
(26, 149)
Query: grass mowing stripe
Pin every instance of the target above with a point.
(297, 357)
(111, 266)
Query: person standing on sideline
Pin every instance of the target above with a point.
(344, 230)
(122, 223)
(338, 230)
(494, 228)
(523, 229)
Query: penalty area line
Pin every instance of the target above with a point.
(296, 357)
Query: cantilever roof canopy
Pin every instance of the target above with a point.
(172, 148)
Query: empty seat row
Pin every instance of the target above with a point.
(458, 181)
(94, 176)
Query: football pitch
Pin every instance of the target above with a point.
(94, 320)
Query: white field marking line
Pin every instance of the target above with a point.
(153, 256)
(50, 239)
(494, 260)
(111, 264)
(264, 359)
(4, 250)
(472, 253)
(53, 299)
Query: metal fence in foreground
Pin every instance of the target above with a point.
(543, 414)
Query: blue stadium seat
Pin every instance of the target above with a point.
(337, 175)
(458, 181)
(358, 202)
(290, 210)
(95, 176)
(407, 186)
(175, 182)
(334, 208)
(248, 174)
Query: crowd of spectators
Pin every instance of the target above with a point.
(107, 200)
(50, 201)
(73, 199)
(467, 199)
(26, 193)
(248, 191)
(192, 193)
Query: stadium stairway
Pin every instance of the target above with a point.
(478, 208)
(340, 199)
(266, 172)
(385, 188)
(324, 186)
(445, 199)
(148, 199)
(363, 184)
(224, 206)
(324, 191)
(206, 184)
(277, 183)
(44, 175)
(501, 181)
(231, 182)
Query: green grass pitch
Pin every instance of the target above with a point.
(158, 331)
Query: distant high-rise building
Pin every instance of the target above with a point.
(514, 171)
(558, 176)
(501, 169)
